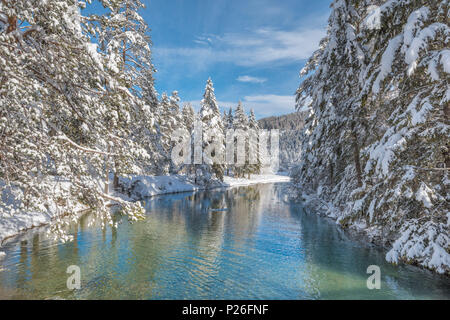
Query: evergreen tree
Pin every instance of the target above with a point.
(406, 158)
(178, 124)
(375, 144)
(188, 115)
(123, 37)
(169, 121)
(228, 124)
(229, 120)
(224, 119)
(254, 151)
(291, 137)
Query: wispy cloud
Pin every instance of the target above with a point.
(251, 79)
(204, 40)
(259, 47)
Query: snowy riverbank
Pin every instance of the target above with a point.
(19, 221)
(15, 220)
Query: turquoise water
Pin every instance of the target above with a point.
(242, 243)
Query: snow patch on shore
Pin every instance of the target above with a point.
(256, 179)
(141, 187)
(21, 221)
(17, 220)
(14, 218)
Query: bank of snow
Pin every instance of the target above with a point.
(140, 187)
(256, 179)
(14, 219)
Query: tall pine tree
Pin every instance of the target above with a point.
(213, 132)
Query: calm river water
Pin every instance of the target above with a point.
(261, 247)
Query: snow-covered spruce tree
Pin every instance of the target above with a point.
(53, 146)
(123, 37)
(241, 126)
(224, 119)
(188, 116)
(376, 143)
(407, 161)
(213, 137)
(228, 125)
(177, 124)
(330, 164)
(167, 124)
(254, 168)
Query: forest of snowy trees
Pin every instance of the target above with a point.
(376, 145)
(77, 102)
(291, 135)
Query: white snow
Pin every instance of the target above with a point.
(382, 154)
(15, 219)
(21, 221)
(415, 19)
(420, 42)
(386, 61)
(141, 187)
(432, 69)
(255, 179)
(373, 19)
(422, 195)
(422, 242)
(418, 117)
(92, 50)
(445, 60)
(18, 221)
(371, 209)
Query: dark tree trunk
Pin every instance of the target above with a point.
(116, 181)
(356, 158)
(12, 24)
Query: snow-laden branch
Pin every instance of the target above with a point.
(74, 144)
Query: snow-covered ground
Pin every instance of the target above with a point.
(140, 187)
(21, 221)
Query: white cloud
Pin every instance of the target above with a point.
(260, 47)
(251, 79)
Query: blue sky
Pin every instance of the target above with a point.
(252, 49)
